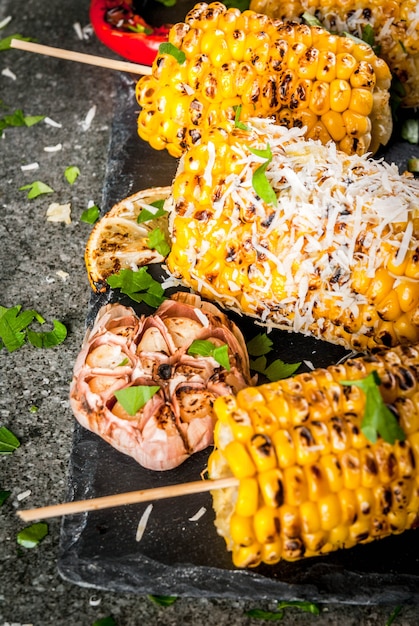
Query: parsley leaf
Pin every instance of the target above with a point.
(37, 188)
(157, 241)
(146, 215)
(30, 536)
(203, 347)
(17, 118)
(71, 174)
(378, 419)
(169, 48)
(8, 441)
(14, 329)
(138, 285)
(272, 616)
(90, 215)
(134, 398)
(394, 614)
(259, 345)
(5, 42)
(237, 122)
(260, 183)
(275, 370)
(48, 339)
(162, 600)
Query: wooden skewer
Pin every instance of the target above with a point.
(90, 59)
(132, 497)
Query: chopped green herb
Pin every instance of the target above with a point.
(33, 409)
(146, 215)
(394, 614)
(134, 398)
(138, 285)
(413, 165)
(368, 35)
(124, 362)
(237, 122)
(3, 496)
(272, 616)
(8, 441)
(378, 419)
(163, 600)
(402, 46)
(259, 345)
(71, 173)
(105, 621)
(276, 370)
(310, 19)
(260, 183)
(157, 241)
(37, 188)
(90, 215)
(410, 131)
(139, 28)
(48, 339)
(169, 48)
(30, 536)
(203, 347)
(5, 42)
(14, 329)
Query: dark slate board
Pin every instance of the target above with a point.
(177, 556)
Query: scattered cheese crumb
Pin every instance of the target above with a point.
(78, 30)
(309, 365)
(8, 73)
(55, 148)
(4, 22)
(51, 122)
(198, 514)
(62, 274)
(59, 213)
(94, 601)
(29, 167)
(23, 495)
(86, 123)
(83, 33)
(143, 523)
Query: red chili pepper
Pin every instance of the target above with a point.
(124, 32)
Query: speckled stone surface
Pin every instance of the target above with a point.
(41, 267)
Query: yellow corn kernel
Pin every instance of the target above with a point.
(329, 511)
(239, 460)
(310, 517)
(263, 419)
(405, 330)
(241, 530)
(247, 497)
(316, 481)
(334, 125)
(408, 295)
(272, 551)
(306, 448)
(409, 415)
(389, 308)
(319, 102)
(308, 62)
(326, 67)
(333, 472)
(361, 101)
(266, 525)
(338, 536)
(357, 125)
(363, 76)
(345, 65)
(271, 485)
(348, 504)
(295, 485)
(284, 448)
(351, 469)
(314, 542)
(247, 556)
(262, 452)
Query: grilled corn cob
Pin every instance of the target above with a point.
(309, 480)
(395, 25)
(301, 75)
(332, 252)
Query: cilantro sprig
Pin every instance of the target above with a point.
(237, 114)
(35, 189)
(30, 536)
(8, 441)
(146, 215)
(162, 600)
(71, 173)
(258, 347)
(377, 419)
(260, 183)
(169, 48)
(273, 616)
(90, 215)
(157, 241)
(18, 118)
(134, 398)
(203, 347)
(14, 329)
(139, 285)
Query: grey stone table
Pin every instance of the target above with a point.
(42, 268)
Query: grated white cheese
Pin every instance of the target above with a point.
(63, 275)
(56, 148)
(8, 73)
(59, 213)
(23, 495)
(198, 514)
(5, 21)
(29, 167)
(87, 122)
(142, 524)
(50, 122)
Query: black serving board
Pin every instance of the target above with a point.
(177, 556)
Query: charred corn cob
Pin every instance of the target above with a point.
(395, 26)
(301, 75)
(299, 235)
(309, 480)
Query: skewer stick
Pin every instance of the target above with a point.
(90, 59)
(132, 497)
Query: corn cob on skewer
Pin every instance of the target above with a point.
(301, 75)
(395, 25)
(309, 480)
(337, 258)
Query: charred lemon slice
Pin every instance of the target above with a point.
(121, 240)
